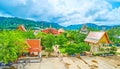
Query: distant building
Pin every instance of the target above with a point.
(52, 31)
(22, 28)
(84, 29)
(61, 30)
(103, 28)
(36, 32)
(96, 40)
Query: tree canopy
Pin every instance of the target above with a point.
(12, 44)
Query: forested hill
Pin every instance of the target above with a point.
(13, 23)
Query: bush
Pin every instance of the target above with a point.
(102, 49)
(62, 50)
(71, 48)
(112, 52)
(83, 47)
(74, 48)
(113, 48)
(97, 54)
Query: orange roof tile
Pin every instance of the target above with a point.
(35, 45)
(50, 30)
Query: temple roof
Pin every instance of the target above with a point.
(84, 27)
(22, 28)
(50, 30)
(35, 45)
(94, 37)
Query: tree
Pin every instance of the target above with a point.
(41, 35)
(71, 48)
(28, 35)
(61, 40)
(83, 47)
(114, 34)
(49, 42)
(12, 44)
(75, 36)
(74, 48)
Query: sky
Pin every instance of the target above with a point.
(64, 12)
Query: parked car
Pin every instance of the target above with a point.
(9, 64)
(3, 64)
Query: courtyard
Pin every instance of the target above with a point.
(111, 62)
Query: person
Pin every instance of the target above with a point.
(55, 51)
(61, 56)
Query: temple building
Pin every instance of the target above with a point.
(84, 29)
(34, 46)
(61, 30)
(50, 30)
(53, 31)
(22, 28)
(96, 40)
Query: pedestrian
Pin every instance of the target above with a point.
(61, 56)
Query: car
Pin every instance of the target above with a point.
(9, 64)
(2, 64)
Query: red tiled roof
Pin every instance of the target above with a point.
(94, 37)
(22, 28)
(35, 45)
(50, 30)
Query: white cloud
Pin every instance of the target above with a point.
(66, 12)
(114, 15)
(5, 15)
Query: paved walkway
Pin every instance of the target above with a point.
(75, 63)
(110, 62)
(55, 63)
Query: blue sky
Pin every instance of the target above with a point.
(64, 12)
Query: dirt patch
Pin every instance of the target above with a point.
(67, 65)
(78, 56)
(93, 66)
(78, 67)
(94, 61)
(118, 64)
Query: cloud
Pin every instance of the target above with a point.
(64, 12)
(5, 15)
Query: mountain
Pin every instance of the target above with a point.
(90, 25)
(13, 23)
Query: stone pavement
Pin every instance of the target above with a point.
(55, 63)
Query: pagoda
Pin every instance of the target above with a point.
(84, 29)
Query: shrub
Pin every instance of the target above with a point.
(71, 48)
(113, 48)
(102, 49)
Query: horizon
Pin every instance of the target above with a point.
(68, 25)
(64, 12)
